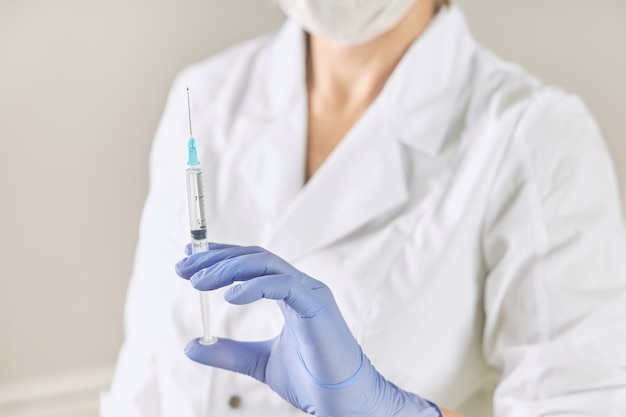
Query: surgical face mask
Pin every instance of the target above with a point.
(348, 22)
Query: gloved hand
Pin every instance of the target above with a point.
(314, 363)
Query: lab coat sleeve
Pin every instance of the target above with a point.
(555, 248)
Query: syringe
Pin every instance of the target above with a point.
(197, 222)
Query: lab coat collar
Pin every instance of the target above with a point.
(424, 92)
(272, 164)
(362, 180)
(287, 69)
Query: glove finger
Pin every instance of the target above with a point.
(326, 345)
(186, 267)
(240, 268)
(248, 358)
(276, 287)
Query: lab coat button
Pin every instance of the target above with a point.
(234, 402)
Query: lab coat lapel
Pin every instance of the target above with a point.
(362, 179)
(272, 166)
(272, 162)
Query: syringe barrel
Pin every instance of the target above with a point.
(199, 240)
(195, 200)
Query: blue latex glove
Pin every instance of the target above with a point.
(314, 363)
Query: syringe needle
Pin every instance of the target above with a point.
(189, 111)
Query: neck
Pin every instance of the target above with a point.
(352, 76)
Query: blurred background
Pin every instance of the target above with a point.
(82, 87)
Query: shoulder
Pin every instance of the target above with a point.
(553, 149)
(560, 148)
(499, 87)
(212, 83)
(210, 77)
(526, 115)
(537, 136)
(216, 84)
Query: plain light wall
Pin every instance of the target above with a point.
(82, 86)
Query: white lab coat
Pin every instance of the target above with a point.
(469, 226)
